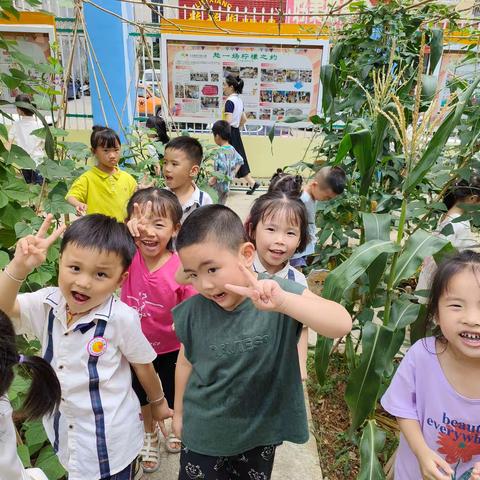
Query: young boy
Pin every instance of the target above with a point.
(91, 339)
(238, 391)
(327, 183)
(227, 160)
(104, 188)
(20, 134)
(181, 164)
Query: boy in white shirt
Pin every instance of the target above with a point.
(20, 134)
(181, 165)
(90, 338)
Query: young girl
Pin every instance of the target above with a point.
(278, 227)
(434, 393)
(160, 127)
(154, 219)
(460, 236)
(104, 188)
(290, 184)
(43, 398)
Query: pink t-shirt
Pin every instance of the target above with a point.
(450, 423)
(153, 295)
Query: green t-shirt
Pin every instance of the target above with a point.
(245, 389)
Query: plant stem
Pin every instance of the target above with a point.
(393, 268)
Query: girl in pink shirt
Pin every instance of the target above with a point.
(153, 218)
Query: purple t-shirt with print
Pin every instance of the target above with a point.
(450, 422)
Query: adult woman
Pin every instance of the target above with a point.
(235, 116)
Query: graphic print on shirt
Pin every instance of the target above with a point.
(458, 442)
(141, 304)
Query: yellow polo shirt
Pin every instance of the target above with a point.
(104, 192)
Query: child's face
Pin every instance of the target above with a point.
(210, 266)
(276, 240)
(87, 277)
(178, 169)
(459, 314)
(107, 158)
(155, 236)
(321, 193)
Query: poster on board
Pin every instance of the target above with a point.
(279, 81)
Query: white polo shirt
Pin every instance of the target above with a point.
(287, 272)
(196, 200)
(98, 430)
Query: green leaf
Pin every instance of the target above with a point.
(4, 259)
(24, 454)
(315, 119)
(18, 190)
(404, 312)
(54, 170)
(439, 139)
(429, 87)
(3, 131)
(328, 79)
(344, 275)
(343, 148)
(322, 357)
(19, 157)
(371, 444)
(47, 460)
(418, 246)
(365, 381)
(350, 354)
(362, 149)
(35, 433)
(3, 200)
(436, 48)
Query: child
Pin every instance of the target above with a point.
(181, 164)
(278, 227)
(434, 394)
(160, 127)
(227, 160)
(461, 236)
(90, 338)
(105, 188)
(327, 183)
(43, 398)
(154, 219)
(284, 182)
(20, 134)
(238, 391)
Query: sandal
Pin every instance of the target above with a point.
(150, 452)
(171, 440)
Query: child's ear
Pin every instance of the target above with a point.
(194, 170)
(247, 254)
(176, 229)
(123, 277)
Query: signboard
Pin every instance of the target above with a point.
(280, 79)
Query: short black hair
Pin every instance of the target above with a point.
(216, 222)
(164, 202)
(159, 125)
(462, 190)
(222, 129)
(24, 98)
(190, 146)
(274, 202)
(99, 232)
(333, 178)
(104, 137)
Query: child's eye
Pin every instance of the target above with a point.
(292, 233)
(455, 305)
(102, 275)
(74, 268)
(212, 270)
(270, 229)
(192, 275)
(159, 225)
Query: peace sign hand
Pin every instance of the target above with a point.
(265, 294)
(140, 219)
(31, 251)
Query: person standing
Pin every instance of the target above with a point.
(234, 114)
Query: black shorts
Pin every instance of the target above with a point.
(164, 365)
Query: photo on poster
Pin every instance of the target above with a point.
(292, 75)
(303, 97)
(192, 91)
(294, 112)
(292, 97)
(279, 96)
(305, 76)
(251, 115)
(280, 76)
(267, 75)
(248, 72)
(278, 113)
(214, 77)
(266, 96)
(209, 102)
(199, 76)
(231, 70)
(179, 91)
(265, 114)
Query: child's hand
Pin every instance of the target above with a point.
(265, 294)
(31, 251)
(139, 221)
(81, 209)
(160, 412)
(433, 466)
(476, 472)
(177, 425)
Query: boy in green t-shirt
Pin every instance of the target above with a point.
(238, 391)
